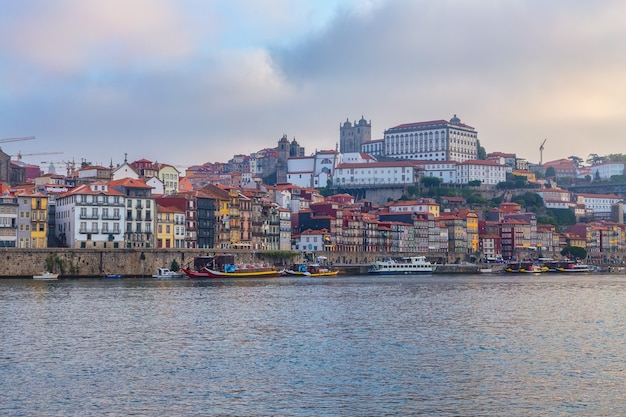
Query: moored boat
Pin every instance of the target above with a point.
(525, 268)
(410, 265)
(210, 273)
(167, 273)
(576, 267)
(113, 276)
(223, 266)
(46, 276)
(319, 269)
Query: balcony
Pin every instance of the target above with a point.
(88, 231)
(89, 216)
(111, 217)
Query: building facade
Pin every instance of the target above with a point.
(90, 216)
(353, 136)
(437, 140)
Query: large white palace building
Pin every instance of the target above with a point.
(437, 140)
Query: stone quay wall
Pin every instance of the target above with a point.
(137, 262)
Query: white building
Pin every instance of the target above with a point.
(8, 221)
(488, 172)
(312, 171)
(124, 171)
(446, 171)
(376, 173)
(437, 140)
(556, 198)
(606, 170)
(373, 147)
(140, 212)
(158, 188)
(310, 240)
(599, 204)
(285, 229)
(90, 216)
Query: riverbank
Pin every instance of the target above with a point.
(144, 262)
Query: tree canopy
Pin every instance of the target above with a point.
(574, 252)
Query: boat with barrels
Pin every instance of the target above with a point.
(223, 266)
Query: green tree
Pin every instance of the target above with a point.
(594, 158)
(550, 172)
(576, 160)
(174, 266)
(482, 153)
(563, 217)
(431, 182)
(616, 157)
(530, 201)
(574, 252)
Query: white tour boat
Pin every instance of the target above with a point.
(403, 266)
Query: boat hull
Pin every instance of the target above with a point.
(324, 274)
(209, 273)
(390, 272)
(46, 276)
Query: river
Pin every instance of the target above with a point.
(493, 345)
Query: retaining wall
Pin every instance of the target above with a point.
(134, 262)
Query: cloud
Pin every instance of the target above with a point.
(67, 36)
(511, 69)
(196, 81)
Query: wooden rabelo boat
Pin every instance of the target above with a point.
(223, 266)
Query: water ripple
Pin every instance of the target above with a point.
(366, 346)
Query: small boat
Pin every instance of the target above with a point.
(300, 270)
(404, 266)
(319, 269)
(167, 273)
(113, 276)
(46, 276)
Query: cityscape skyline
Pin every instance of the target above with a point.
(96, 80)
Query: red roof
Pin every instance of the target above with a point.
(129, 183)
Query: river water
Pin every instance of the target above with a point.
(500, 345)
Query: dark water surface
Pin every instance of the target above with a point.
(499, 345)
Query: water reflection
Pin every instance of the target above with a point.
(493, 345)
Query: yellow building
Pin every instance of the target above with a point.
(170, 227)
(32, 220)
(169, 176)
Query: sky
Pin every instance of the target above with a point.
(192, 81)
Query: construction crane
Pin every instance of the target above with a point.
(17, 139)
(70, 166)
(541, 151)
(20, 154)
